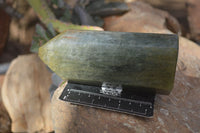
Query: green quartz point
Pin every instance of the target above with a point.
(137, 60)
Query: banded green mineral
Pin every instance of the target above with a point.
(131, 59)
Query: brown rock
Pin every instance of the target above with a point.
(175, 7)
(139, 19)
(178, 112)
(25, 95)
(193, 8)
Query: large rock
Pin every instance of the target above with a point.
(175, 7)
(143, 18)
(25, 95)
(178, 112)
(193, 8)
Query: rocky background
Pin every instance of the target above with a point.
(26, 105)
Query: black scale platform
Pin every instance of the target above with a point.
(131, 102)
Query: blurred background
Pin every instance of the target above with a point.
(25, 25)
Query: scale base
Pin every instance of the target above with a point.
(130, 102)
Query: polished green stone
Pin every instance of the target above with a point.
(131, 59)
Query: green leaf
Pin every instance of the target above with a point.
(41, 32)
(41, 36)
(66, 16)
(34, 46)
(51, 29)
